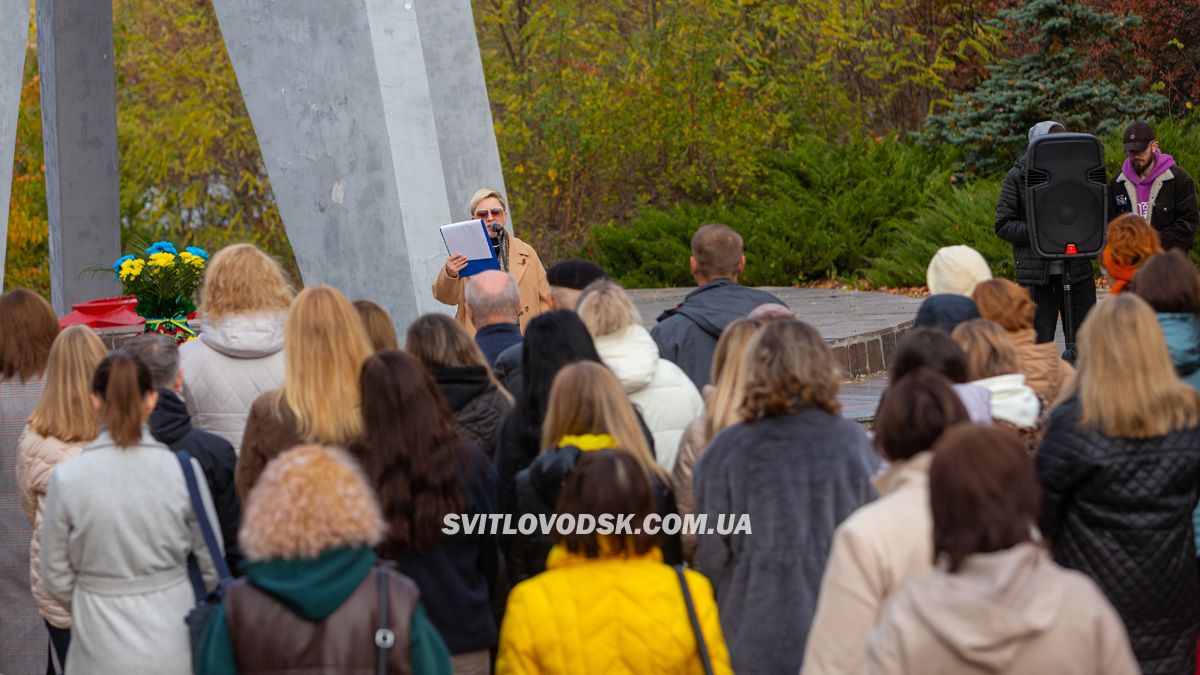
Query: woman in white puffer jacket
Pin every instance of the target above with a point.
(239, 353)
(662, 392)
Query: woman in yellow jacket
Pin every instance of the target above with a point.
(606, 604)
(515, 256)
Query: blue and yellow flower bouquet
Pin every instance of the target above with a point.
(164, 281)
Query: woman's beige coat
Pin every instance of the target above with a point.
(524, 264)
(875, 552)
(37, 456)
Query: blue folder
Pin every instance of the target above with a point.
(482, 264)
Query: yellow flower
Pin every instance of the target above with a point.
(163, 259)
(130, 269)
(192, 259)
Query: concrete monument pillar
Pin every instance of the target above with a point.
(14, 37)
(461, 110)
(79, 136)
(356, 131)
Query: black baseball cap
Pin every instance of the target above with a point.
(1137, 136)
(574, 273)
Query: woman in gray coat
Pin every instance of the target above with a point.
(116, 534)
(789, 473)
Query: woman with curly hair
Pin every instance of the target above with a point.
(796, 469)
(1131, 242)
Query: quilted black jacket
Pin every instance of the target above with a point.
(1120, 511)
(479, 407)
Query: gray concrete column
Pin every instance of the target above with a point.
(79, 136)
(340, 102)
(466, 135)
(14, 37)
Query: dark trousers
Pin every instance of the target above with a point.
(1050, 305)
(60, 639)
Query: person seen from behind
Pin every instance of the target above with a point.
(475, 397)
(662, 392)
(423, 470)
(687, 335)
(588, 411)
(1170, 284)
(995, 604)
(1009, 305)
(62, 424)
(606, 605)
(1120, 472)
(1130, 242)
(318, 402)
(312, 597)
(239, 353)
(171, 426)
(887, 542)
(378, 324)
(992, 365)
(796, 469)
(117, 531)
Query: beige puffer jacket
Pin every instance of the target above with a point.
(36, 458)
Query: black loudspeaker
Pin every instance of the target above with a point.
(1066, 196)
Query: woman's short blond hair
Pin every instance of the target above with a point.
(606, 308)
(1125, 380)
(324, 346)
(788, 368)
(242, 279)
(483, 194)
(990, 351)
(1006, 303)
(64, 410)
(586, 398)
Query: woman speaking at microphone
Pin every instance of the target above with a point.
(515, 256)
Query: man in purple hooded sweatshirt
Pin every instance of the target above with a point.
(1152, 186)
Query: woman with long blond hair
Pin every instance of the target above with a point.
(62, 424)
(658, 388)
(118, 530)
(325, 345)
(239, 354)
(588, 411)
(478, 401)
(793, 468)
(722, 401)
(27, 329)
(1120, 472)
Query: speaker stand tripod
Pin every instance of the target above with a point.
(1068, 322)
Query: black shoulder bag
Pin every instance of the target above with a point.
(691, 610)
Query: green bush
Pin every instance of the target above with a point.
(954, 216)
(815, 215)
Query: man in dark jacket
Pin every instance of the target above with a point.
(494, 307)
(687, 335)
(1033, 272)
(1152, 186)
(172, 426)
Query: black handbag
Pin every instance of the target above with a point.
(206, 601)
(691, 610)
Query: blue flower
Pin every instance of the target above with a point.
(161, 247)
(197, 251)
(120, 261)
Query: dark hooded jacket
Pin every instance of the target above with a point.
(537, 490)
(687, 335)
(945, 311)
(478, 405)
(171, 425)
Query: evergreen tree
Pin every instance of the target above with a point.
(1049, 75)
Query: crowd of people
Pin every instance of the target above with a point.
(273, 496)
